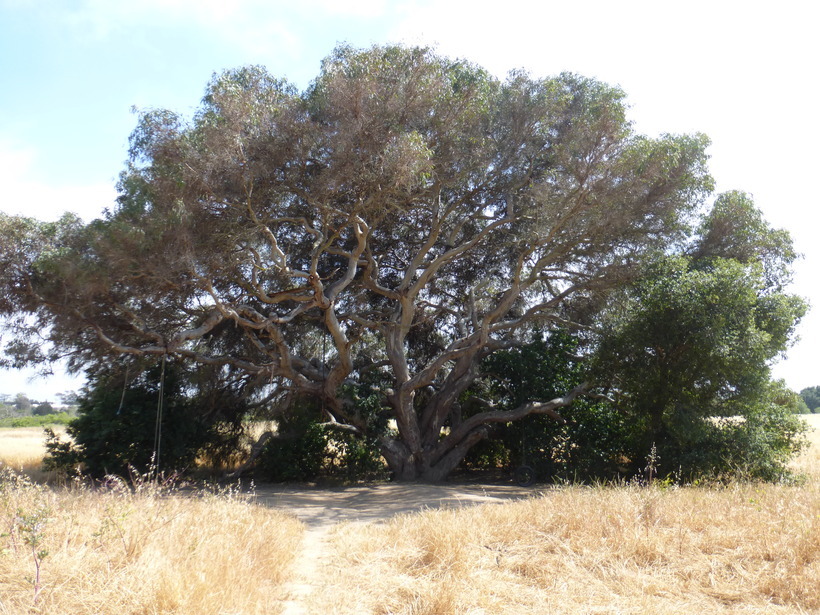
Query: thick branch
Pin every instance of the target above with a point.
(549, 408)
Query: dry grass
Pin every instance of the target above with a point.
(146, 552)
(23, 448)
(745, 549)
(740, 549)
(809, 461)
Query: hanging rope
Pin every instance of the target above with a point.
(158, 426)
(124, 387)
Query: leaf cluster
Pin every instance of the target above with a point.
(131, 422)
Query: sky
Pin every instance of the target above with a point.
(744, 73)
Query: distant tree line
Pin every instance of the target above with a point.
(21, 405)
(811, 397)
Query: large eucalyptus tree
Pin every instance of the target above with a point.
(400, 220)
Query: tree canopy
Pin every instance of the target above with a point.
(400, 220)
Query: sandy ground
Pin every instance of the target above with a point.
(322, 507)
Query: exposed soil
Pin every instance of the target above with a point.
(323, 507)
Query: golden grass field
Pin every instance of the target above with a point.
(22, 448)
(743, 548)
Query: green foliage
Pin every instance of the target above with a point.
(308, 450)
(492, 452)
(22, 404)
(542, 369)
(295, 458)
(30, 525)
(590, 445)
(59, 418)
(116, 426)
(755, 446)
(784, 397)
(811, 396)
(43, 409)
(687, 346)
(321, 452)
(25, 512)
(691, 341)
(735, 229)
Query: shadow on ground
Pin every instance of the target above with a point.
(322, 507)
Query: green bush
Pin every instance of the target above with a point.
(603, 440)
(295, 457)
(320, 452)
(59, 418)
(116, 424)
(757, 446)
(308, 450)
(591, 445)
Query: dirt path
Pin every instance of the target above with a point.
(321, 509)
(309, 562)
(318, 507)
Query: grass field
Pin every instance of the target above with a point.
(743, 548)
(23, 448)
(809, 462)
(740, 549)
(627, 550)
(113, 551)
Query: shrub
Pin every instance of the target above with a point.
(60, 418)
(602, 440)
(306, 449)
(116, 426)
(320, 452)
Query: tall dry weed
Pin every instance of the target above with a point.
(808, 463)
(740, 549)
(117, 551)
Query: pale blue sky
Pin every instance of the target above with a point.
(744, 73)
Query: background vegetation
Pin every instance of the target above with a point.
(811, 397)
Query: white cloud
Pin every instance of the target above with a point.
(24, 194)
(252, 27)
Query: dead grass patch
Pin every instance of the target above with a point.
(743, 549)
(23, 447)
(121, 552)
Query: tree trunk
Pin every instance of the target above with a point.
(432, 459)
(432, 464)
(400, 460)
